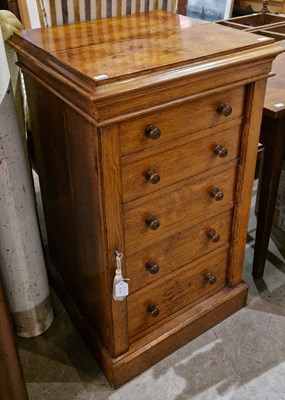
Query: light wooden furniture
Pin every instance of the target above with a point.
(272, 136)
(145, 135)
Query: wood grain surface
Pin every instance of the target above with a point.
(178, 206)
(153, 46)
(180, 120)
(179, 160)
(177, 250)
(177, 290)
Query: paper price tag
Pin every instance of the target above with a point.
(121, 289)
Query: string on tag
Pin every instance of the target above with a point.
(120, 287)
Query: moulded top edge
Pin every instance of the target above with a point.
(114, 49)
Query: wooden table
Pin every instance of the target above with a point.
(272, 136)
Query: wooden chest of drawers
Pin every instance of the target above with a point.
(145, 134)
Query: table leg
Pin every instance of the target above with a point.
(272, 136)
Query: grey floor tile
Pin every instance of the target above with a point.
(42, 369)
(52, 391)
(181, 375)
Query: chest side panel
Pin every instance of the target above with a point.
(67, 158)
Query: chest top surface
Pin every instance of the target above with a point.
(119, 48)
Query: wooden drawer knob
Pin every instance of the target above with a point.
(221, 151)
(153, 223)
(153, 310)
(216, 194)
(152, 177)
(210, 278)
(152, 132)
(152, 267)
(224, 109)
(214, 236)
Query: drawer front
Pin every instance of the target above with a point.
(163, 213)
(162, 258)
(148, 171)
(180, 120)
(170, 294)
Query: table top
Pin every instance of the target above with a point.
(274, 104)
(119, 48)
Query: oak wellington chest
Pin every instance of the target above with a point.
(145, 130)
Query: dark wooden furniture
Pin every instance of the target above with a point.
(12, 386)
(145, 139)
(277, 6)
(255, 23)
(272, 136)
(11, 5)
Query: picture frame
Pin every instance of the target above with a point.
(209, 10)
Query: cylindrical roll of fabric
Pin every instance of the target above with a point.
(21, 256)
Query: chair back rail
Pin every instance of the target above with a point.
(59, 12)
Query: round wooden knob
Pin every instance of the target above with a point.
(210, 278)
(152, 177)
(153, 310)
(213, 235)
(221, 151)
(224, 109)
(216, 194)
(152, 132)
(152, 222)
(152, 267)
